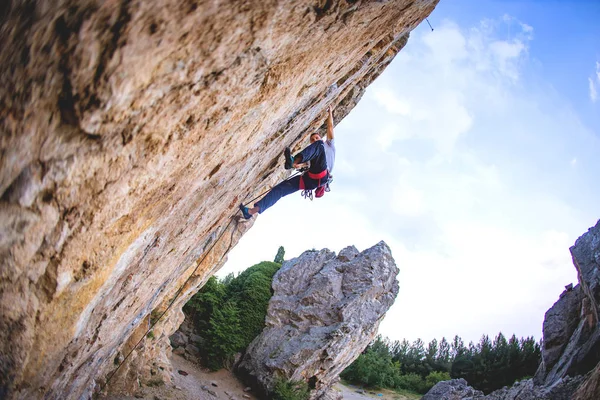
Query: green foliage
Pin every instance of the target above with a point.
(280, 255)
(412, 382)
(435, 377)
(373, 368)
(224, 337)
(221, 309)
(290, 390)
(154, 315)
(252, 292)
(203, 304)
(150, 335)
(487, 366)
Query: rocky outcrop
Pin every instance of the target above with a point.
(455, 389)
(560, 322)
(130, 131)
(570, 367)
(324, 311)
(458, 389)
(571, 343)
(590, 388)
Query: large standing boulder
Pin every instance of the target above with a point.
(324, 311)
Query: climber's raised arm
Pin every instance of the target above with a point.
(330, 124)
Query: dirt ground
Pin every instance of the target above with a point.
(198, 385)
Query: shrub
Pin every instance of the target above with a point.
(412, 382)
(290, 390)
(221, 309)
(435, 377)
(224, 337)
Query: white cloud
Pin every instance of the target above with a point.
(593, 92)
(593, 81)
(392, 103)
(407, 201)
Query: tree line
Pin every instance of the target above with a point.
(228, 314)
(487, 365)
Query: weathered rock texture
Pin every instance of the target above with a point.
(130, 131)
(570, 367)
(324, 311)
(571, 344)
(458, 389)
(455, 389)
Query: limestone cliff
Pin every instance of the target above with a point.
(130, 131)
(324, 312)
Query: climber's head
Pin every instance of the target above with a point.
(314, 137)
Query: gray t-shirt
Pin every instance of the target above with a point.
(329, 153)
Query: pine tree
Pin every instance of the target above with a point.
(513, 359)
(443, 355)
(280, 255)
(430, 356)
(224, 337)
(400, 351)
(458, 347)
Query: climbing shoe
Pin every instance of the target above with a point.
(245, 212)
(289, 161)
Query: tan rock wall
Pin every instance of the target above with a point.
(130, 131)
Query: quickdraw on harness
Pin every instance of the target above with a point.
(320, 189)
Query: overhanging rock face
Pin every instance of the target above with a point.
(324, 312)
(131, 130)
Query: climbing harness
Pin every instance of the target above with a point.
(320, 189)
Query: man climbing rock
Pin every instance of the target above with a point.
(321, 156)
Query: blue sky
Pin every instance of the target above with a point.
(475, 157)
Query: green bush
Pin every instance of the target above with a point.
(412, 382)
(290, 390)
(224, 337)
(252, 292)
(221, 309)
(435, 377)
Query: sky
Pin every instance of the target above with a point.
(474, 156)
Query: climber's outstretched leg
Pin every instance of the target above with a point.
(282, 189)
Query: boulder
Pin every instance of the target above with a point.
(193, 350)
(178, 339)
(455, 389)
(324, 311)
(458, 389)
(196, 339)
